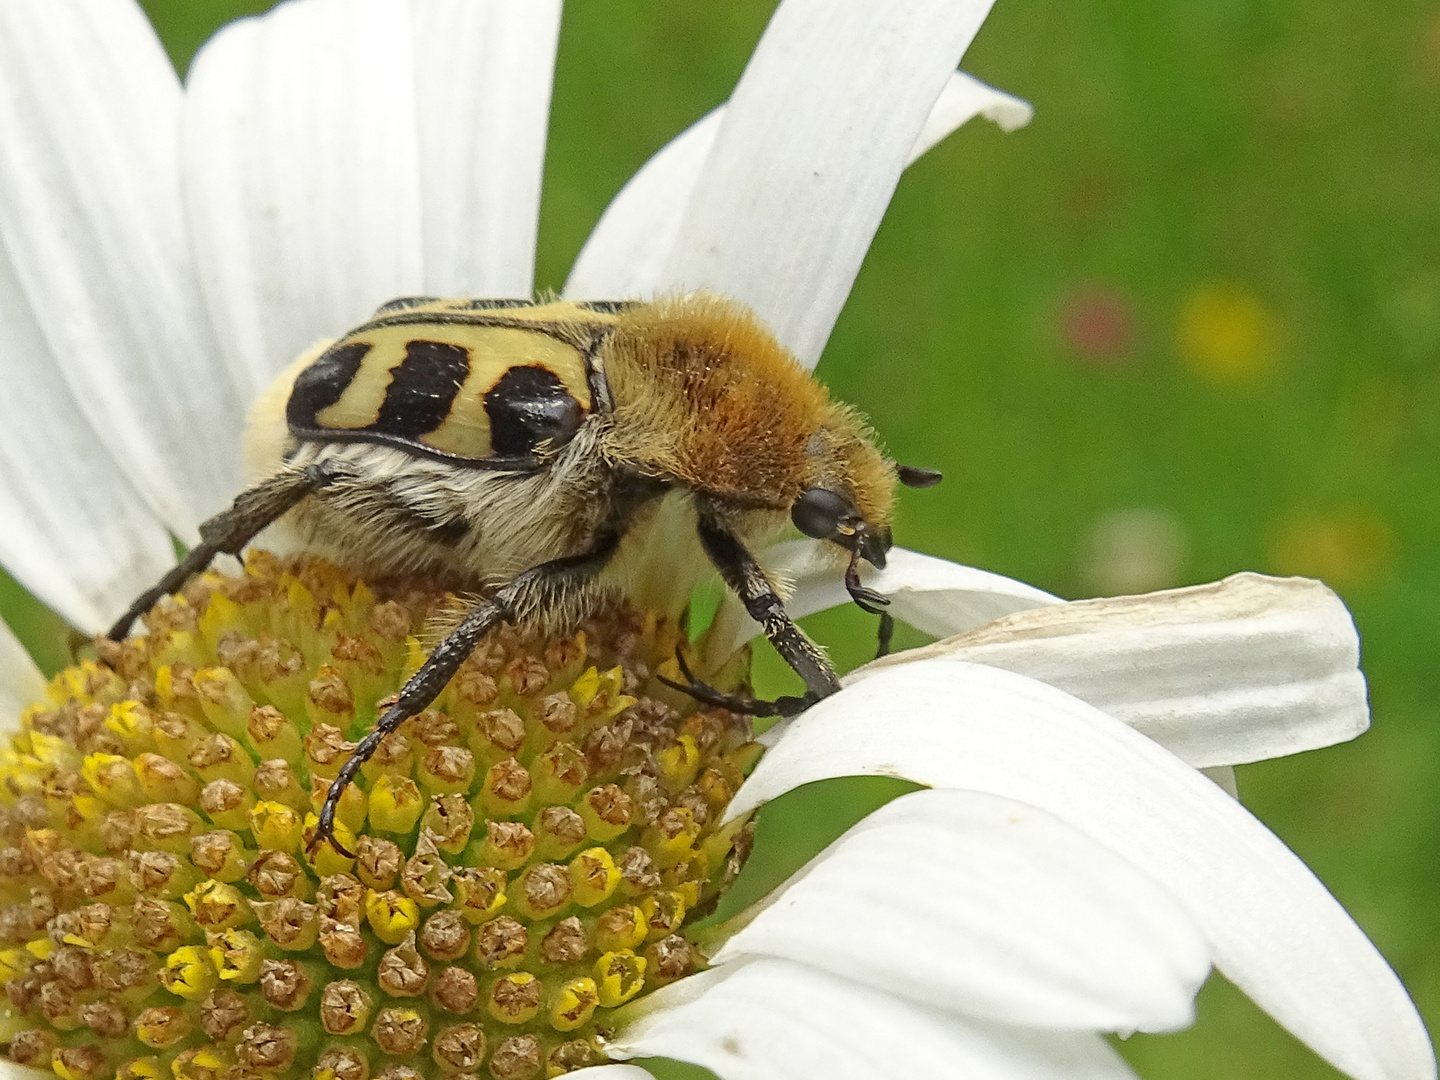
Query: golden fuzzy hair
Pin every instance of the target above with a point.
(705, 393)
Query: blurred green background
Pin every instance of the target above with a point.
(1186, 323)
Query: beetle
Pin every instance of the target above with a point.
(552, 453)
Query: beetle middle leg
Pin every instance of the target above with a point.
(537, 589)
(885, 635)
(747, 706)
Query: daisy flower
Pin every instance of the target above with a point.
(1067, 871)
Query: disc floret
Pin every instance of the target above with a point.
(527, 852)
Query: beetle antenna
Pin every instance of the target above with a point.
(913, 477)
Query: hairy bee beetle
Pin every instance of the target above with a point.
(552, 452)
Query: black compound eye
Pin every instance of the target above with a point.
(818, 513)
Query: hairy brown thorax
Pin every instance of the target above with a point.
(706, 394)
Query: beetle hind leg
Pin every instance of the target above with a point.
(885, 635)
(421, 689)
(537, 589)
(228, 532)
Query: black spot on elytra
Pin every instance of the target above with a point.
(320, 385)
(528, 406)
(422, 389)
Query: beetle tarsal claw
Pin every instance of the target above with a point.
(785, 706)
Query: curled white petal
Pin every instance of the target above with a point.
(812, 144)
(628, 249)
(964, 98)
(1273, 928)
(1239, 670)
(90, 214)
(987, 907)
(776, 1020)
(483, 72)
(301, 169)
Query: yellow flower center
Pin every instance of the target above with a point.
(529, 850)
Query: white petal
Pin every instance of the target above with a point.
(483, 71)
(301, 172)
(934, 595)
(90, 214)
(991, 908)
(76, 533)
(812, 145)
(774, 1020)
(627, 251)
(11, 1071)
(1273, 929)
(20, 680)
(1239, 670)
(964, 98)
(611, 1072)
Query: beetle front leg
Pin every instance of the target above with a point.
(747, 579)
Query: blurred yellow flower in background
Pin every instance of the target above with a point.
(1345, 548)
(1226, 334)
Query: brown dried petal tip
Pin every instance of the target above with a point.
(455, 990)
(445, 936)
(222, 1014)
(403, 971)
(565, 943)
(267, 1047)
(275, 874)
(400, 1031)
(80, 1062)
(342, 1063)
(285, 983)
(501, 943)
(516, 1058)
(33, 1047)
(343, 944)
(459, 1048)
(377, 862)
(344, 1007)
